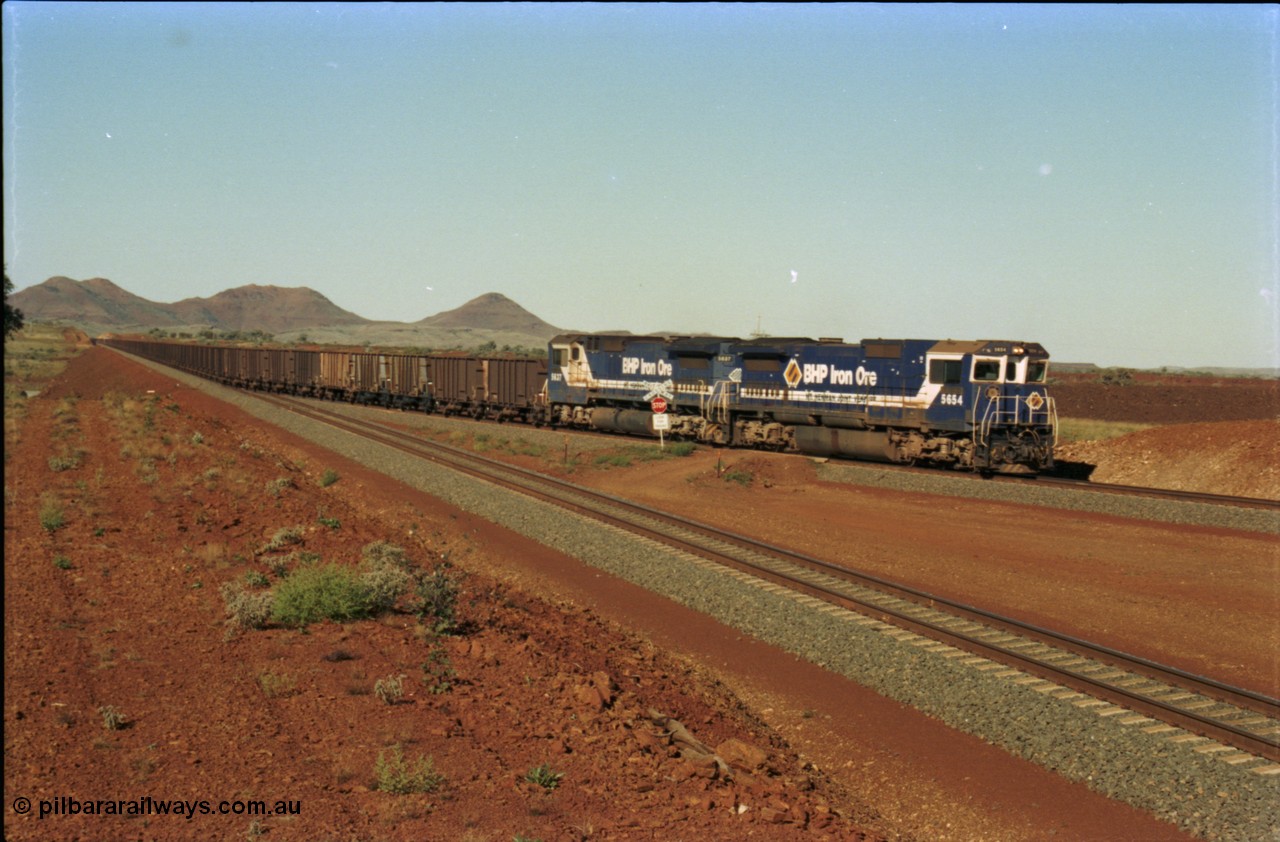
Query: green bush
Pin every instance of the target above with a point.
(324, 592)
(544, 777)
(400, 778)
(52, 517)
(328, 478)
(275, 686)
(438, 672)
(438, 593)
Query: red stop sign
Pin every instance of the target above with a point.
(658, 405)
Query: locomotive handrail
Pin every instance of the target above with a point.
(718, 401)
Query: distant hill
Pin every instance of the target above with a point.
(96, 301)
(100, 303)
(491, 311)
(270, 309)
(289, 313)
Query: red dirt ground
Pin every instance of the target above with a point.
(1216, 434)
(1166, 398)
(562, 664)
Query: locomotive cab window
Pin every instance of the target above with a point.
(1036, 371)
(1011, 371)
(561, 356)
(986, 371)
(946, 372)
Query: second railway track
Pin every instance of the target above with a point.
(1245, 724)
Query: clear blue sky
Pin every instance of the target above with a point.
(1102, 179)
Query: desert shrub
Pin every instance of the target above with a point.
(438, 672)
(326, 592)
(438, 599)
(281, 565)
(283, 538)
(62, 562)
(390, 689)
(328, 478)
(384, 585)
(247, 608)
(52, 517)
(64, 463)
(398, 777)
(112, 719)
(331, 522)
(544, 777)
(384, 552)
(275, 686)
(387, 573)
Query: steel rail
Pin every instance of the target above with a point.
(1242, 701)
(1003, 651)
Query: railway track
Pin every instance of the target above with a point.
(1162, 493)
(1243, 724)
(1076, 484)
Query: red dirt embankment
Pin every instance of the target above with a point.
(1216, 435)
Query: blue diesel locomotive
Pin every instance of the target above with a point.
(976, 405)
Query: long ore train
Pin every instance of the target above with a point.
(975, 405)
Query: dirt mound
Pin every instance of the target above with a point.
(73, 336)
(1226, 457)
(1168, 399)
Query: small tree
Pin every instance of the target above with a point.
(12, 315)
